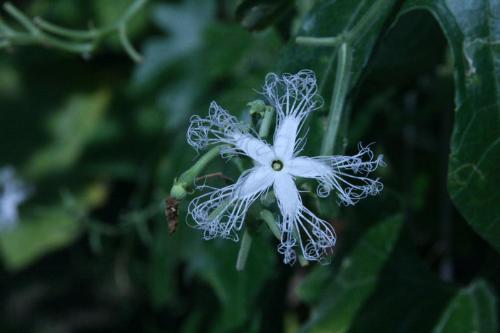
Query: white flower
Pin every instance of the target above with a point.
(221, 212)
(12, 194)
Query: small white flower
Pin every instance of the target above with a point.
(12, 194)
(221, 212)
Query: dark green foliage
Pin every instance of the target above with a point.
(101, 140)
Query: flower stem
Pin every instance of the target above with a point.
(41, 32)
(268, 217)
(246, 244)
(180, 188)
(65, 32)
(21, 18)
(318, 41)
(339, 94)
(127, 45)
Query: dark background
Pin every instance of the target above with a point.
(101, 139)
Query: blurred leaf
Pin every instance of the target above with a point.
(259, 14)
(9, 80)
(355, 281)
(77, 123)
(224, 60)
(473, 32)
(49, 229)
(237, 291)
(473, 309)
(162, 267)
(183, 26)
(400, 59)
(311, 289)
(177, 102)
(408, 296)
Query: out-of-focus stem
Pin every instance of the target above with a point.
(40, 32)
(318, 41)
(339, 94)
(269, 219)
(246, 244)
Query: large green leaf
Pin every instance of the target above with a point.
(49, 229)
(355, 281)
(473, 309)
(473, 32)
(236, 291)
(408, 296)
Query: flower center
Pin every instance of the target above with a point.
(277, 165)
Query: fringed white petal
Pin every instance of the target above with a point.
(286, 193)
(289, 201)
(254, 148)
(285, 138)
(348, 175)
(222, 128)
(221, 212)
(307, 167)
(299, 227)
(316, 236)
(294, 97)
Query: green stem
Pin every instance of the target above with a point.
(66, 46)
(269, 219)
(339, 94)
(21, 18)
(21, 38)
(365, 22)
(41, 32)
(246, 244)
(186, 179)
(65, 32)
(318, 41)
(132, 10)
(133, 54)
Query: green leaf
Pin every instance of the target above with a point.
(473, 309)
(49, 229)
(184, 25)
(236, 291)
(72, 128)
(259, 14)
(355, 281)
(408, 296)
(473, 33)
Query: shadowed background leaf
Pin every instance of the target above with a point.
(100, 140)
